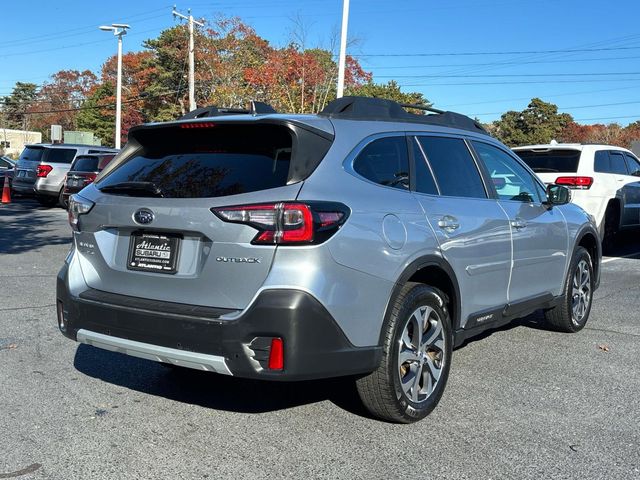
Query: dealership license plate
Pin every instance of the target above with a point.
(153, 252)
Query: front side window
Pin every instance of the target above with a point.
(633, 166)
(511, 180)
(618, 165)
(385, 161)
(453, 166)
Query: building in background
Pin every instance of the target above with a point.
(12, 142)
(83, 138)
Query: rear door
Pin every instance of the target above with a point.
(540, 238)
(209, 262)
(472, 229)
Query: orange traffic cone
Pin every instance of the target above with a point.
(6, 191)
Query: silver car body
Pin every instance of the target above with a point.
(26, 180)
(502, 258)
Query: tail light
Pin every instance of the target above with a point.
(577, 183)
(78, 206)
(43, 170)
(89, 178)
(288, 223)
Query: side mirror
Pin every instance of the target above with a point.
(557, 195)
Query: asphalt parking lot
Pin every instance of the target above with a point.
(521, 402)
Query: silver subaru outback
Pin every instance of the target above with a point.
(365, 241)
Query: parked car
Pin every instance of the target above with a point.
(6, 170)
(83, 171)
(41, 169)
(364, 241)
(604, 180)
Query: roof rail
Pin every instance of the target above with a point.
(255, 108)
(369, 108)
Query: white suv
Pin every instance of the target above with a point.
(605, 180)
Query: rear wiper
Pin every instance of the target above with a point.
(134, 189)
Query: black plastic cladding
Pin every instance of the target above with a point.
(379, 109)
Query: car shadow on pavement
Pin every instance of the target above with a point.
(211, 390)
(626, 243)
(21, 230)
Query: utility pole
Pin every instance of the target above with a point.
(343, 47)
(118, 29)
(192, 87)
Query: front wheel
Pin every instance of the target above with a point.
(572, 314)
(417, 351)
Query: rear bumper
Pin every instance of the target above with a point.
(207, 339)
(45, 186)
(23, 186)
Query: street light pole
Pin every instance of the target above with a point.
(118, 29)
(192, 67)
(343, 47)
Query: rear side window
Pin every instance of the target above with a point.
(385, 161)
(424, 179)
(618, 165)
(86, 164)
(60, 155)
(208, 162)
(32, 154)
(551, 161)
(601, 162)
(453, 166)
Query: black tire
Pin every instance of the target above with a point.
(381, 391)
(562, 318)
(611, 226)
(61, 201)
(47, 201)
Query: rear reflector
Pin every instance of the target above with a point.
(578, 183)
(276, 354)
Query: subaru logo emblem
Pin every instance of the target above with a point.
(143, 216)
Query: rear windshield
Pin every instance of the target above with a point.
(86, 164)
(208, 162)
(551, 161)
(48, 155)
(32, 154)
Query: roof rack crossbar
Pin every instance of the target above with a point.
(370, 108)
(426, 108)
(255, 108)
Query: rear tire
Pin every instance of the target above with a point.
(417, 350)
(61, 201)
(572, 314)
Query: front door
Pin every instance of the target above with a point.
(539, 233)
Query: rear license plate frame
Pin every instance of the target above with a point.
(138, 261)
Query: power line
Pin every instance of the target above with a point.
(570, 108)
(513, 52)
(457, 84)
(516, 75)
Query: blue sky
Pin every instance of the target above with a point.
(460, 54)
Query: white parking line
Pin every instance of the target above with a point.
(611, 259)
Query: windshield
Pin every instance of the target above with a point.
(207, 162)
(551, 161)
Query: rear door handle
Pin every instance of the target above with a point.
(448, 223)
(518, 223)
